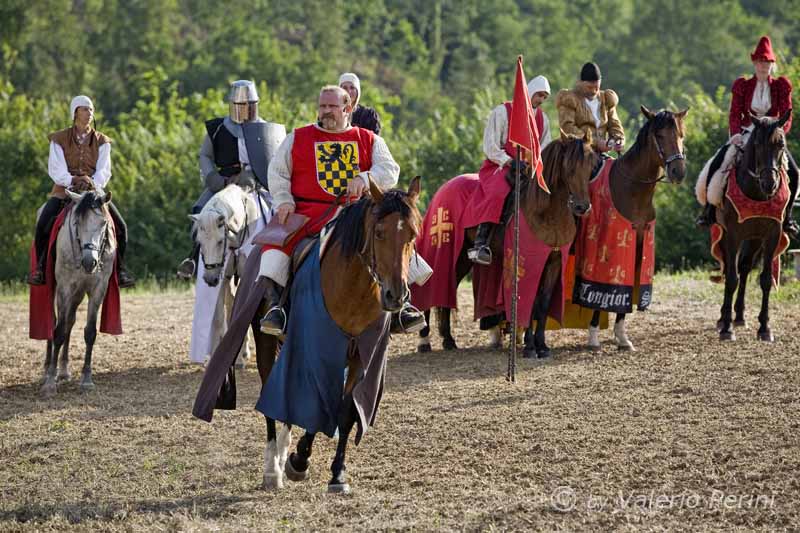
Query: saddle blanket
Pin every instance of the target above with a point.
(747, 208)
(440, 242)
(306, 385)
(42, 305)
(493, 284)
(605, 253)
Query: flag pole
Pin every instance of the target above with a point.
(512, 356)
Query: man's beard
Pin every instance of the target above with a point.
(329, 122)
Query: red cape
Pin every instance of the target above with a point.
(42, 309)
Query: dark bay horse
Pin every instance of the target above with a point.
(363, 274)
(568, 163)
(85, 253)
(657, 154)
(743, 244)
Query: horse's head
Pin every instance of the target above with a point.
(91, 227)
(665, 129)
(213, 236)
(393, 226)
(571, 159)
(765, 149)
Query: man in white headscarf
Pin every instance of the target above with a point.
(80, 159)
(495, 138)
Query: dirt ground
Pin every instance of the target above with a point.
(686, 433)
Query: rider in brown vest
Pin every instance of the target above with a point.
(80, 158)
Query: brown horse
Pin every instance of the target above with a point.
(568, 163)
(363, 274)
(743, 244)
(656, 154)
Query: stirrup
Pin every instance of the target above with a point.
(183, 271)
(416, 324)
(270, 328)
(481, 255)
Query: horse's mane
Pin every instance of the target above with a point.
(90, 200)
(554, 156)
(349, 228)
(228, 203)
(663, 119)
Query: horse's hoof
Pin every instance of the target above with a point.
(64, 377)
(740, 323)
(529, 353)
(338, 488)
(543, 354)
(727, 335)
(292, 473)
(273, 482)
(766, 336)
(424, 348)
(48, 389)
(87, 387)
(449, 344)
(720, 325)
(627, 347)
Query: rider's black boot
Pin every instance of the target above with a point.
(274, 322)
(707, 217)
(481, 252)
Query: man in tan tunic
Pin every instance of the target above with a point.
(587, 109)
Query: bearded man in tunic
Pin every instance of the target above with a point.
(315, 166)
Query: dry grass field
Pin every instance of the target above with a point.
(686, 433)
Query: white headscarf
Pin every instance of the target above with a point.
(538, 84)
(80, 101)
(352, 78)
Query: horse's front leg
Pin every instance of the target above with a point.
(731, 281)
(347, 417)
(66, 319)
(621, 336)
(594, 332)
(744, 267)
(544, 296)
(424, 340)
(275, 454)
(298, 462)
(277, 447)
(443, 322)
(89, 336)
(764, 332)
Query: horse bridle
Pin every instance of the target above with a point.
(90, 246)
(665, 160)
(246, 228)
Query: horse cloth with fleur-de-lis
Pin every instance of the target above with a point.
(605, 255)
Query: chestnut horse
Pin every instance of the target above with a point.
(743, 244)
(363, 274)
(568, 163)
(656, 154)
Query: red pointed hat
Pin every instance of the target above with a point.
(763, 51)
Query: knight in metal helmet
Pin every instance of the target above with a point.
(243, 101)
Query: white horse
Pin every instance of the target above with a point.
(85, 253)
(223, 230)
